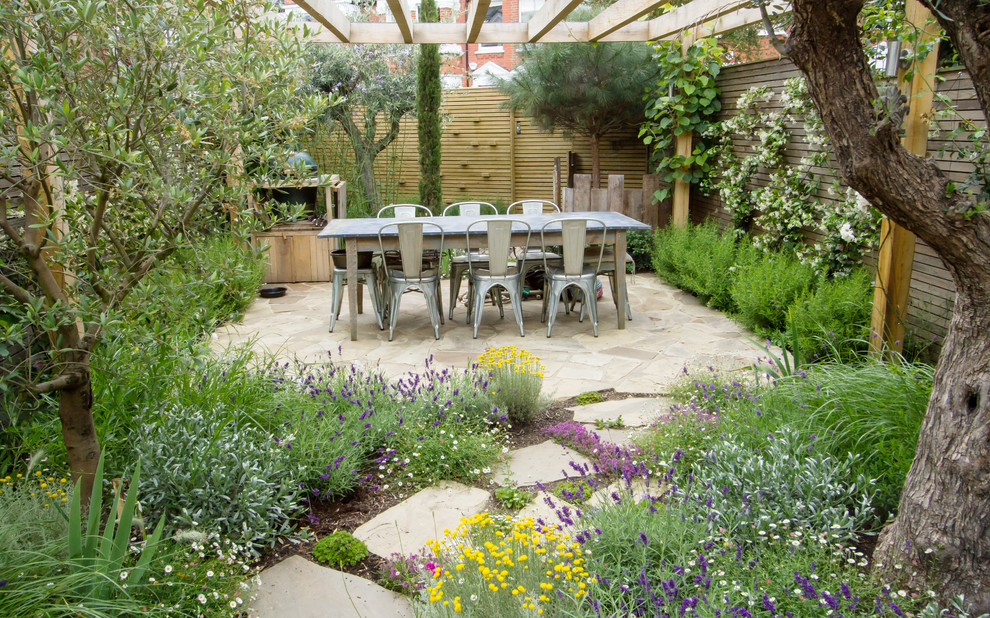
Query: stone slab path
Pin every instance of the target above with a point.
(541, 463)
(670, 329)
(408, 526)
(299, 588)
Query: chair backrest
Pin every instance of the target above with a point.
(574, 239)
(410, 235)
(532, 207)
(499, 240)
(470, 209)
(404, 211)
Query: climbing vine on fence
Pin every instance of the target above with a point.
(685, 99)
(787, 204)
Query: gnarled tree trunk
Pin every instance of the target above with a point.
(941, 536)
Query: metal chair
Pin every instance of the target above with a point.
(365, 275)
(607, 268)
(498, 272)
(574, 273)
(411, 273)
(536, 257)
(459, 262)
(431, 258)
(404, 211)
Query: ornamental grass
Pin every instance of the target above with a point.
(518, 379)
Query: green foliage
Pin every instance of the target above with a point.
(149, 109)
(589, 398)
(340, 549)
(32, 510)
(639, 244)
(589, 89)
(102, 557)
(372, 85)
(873, 410)
(684, 100)
(575, 492)
(512, 497)
(205, 470)
(517, 382)
(787, 477)
(832, 321)
(428, 96)
(765, 286)
(611, 423)
(700, 259)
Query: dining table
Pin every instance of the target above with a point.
(361, 234)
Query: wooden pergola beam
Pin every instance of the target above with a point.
(618, 15)
(690, 15)
(476, 18)
(329, 16)
(549, 15)
(403, 18)
(492, 33)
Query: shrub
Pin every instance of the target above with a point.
(786, 478)
(32, 510)
(403, 574)
(765, 286)
(639, 245)
(202, 470)
(700, 259)
(517, 377)
(340, 549)
(833, 320)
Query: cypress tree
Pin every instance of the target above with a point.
(428, 94)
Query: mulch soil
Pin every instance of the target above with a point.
(363, 504)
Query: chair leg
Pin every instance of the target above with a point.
(515, 297)
(431, 294)
(396, 296)
(592, 304)
(478, 304)
(552, 302)
(455, 288)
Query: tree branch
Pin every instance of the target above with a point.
(768, 26)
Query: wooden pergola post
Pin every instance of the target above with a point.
(680, 216)
(895, 261)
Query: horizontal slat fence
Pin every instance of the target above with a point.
(932, 289)
(484, 157)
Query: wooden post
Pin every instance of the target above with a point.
(616, 184)
(512, 155)
(895, 261)
(682, 146)
(582, 193)
(651, 208)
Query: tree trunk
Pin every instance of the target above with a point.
(366, 167)
(596, 163)
(941, 537)
(75, 410)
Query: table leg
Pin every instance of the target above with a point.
(620, 277)
(350, 246)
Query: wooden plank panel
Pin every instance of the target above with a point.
(616, 186)
(582, 193)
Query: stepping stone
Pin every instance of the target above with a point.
(299, 588)
(541, 463)
(620, 437)
(408, 526)
(635, 412)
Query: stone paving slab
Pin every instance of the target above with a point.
(299, 588)
(539, 510)
(408, 526)
(635, 411)
(541, 463)
(621, 437)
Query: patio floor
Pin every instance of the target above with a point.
(670, 330)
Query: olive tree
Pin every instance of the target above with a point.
(123, 129)
(942, 528)
(375, 84)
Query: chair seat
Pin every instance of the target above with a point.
(558, 273)
(474, 258)
(486, 273)
(608, 257)
(396, 274)
(539, 255)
